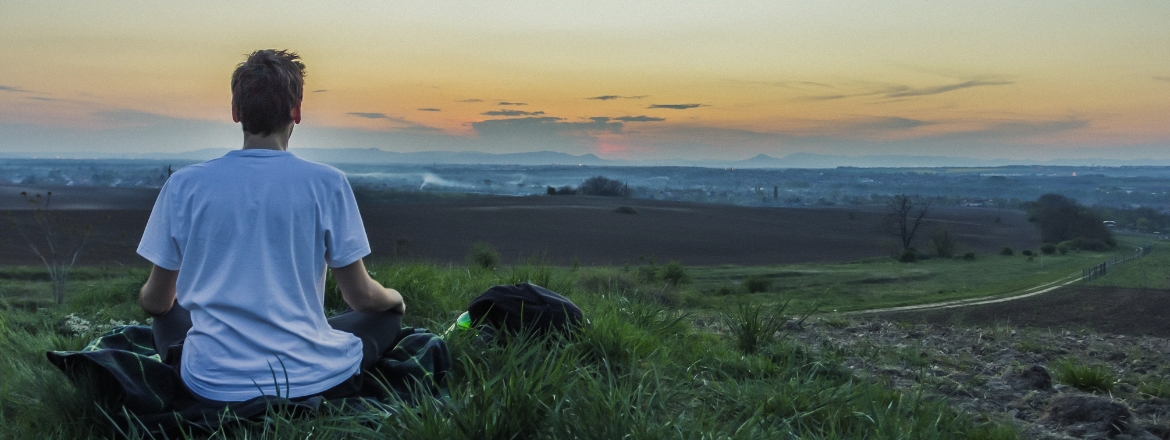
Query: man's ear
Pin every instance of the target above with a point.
(235, 112)
(296, 113)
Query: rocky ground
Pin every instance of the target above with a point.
(1051, 384)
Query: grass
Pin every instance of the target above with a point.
(883, 282)
(1148, 272)
(1084, 377)
(641, 370)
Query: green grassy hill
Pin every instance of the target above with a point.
(640, 371)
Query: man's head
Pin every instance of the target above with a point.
(266, 89)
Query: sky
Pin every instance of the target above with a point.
(1024, 80)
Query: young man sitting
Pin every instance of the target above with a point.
(241, 245)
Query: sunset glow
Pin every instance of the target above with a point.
(635, 80)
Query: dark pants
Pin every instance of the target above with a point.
(378, 332)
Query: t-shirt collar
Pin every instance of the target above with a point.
(256, 152)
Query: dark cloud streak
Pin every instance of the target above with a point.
(470, 100)
(677, 106)
(642, 118)
(609, 97)
(511, 113)
(908, 91)
(369, 115)
(511, 103)
(13, 89)
(903, 91)
(429, 109)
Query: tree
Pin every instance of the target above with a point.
(57, 244)
(905, 217)
(602, 186)
(1060, 219)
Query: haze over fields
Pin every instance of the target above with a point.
(651, 81)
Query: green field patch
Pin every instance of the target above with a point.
(642, 369)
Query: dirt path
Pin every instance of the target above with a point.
(985, 300)
(993, 299)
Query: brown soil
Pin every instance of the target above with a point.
(588, 230)
(562, 229)
(1133, 312)
(1005, 373)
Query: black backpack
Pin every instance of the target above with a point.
(524, 307)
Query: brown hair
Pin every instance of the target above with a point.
(265, 88)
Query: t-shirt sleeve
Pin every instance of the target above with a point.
(158, 243)
(345, 235)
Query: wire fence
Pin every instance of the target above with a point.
(1099, 270)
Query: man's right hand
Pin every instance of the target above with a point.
(364, 294)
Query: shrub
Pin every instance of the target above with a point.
(969, 256)
(483, 255)
(757, 283)
(1007, 251)
(1083, 377)
(725, 290)
(674, 273)
(625, 210)
(1026, 252)
(750, 329)
(908, 256)
(942, 243)
(1048, 248)
(648, 273)
(562, 191)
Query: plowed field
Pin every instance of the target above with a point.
(564, 229)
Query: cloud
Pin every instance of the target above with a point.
(511, 113)
(639, 119)
(320, 90)
(470, 100)
(909, 91)
(369, 115)
(544, 133)
(677, 106)
(1019, 128)
(42, 98)
(4, 88)
(904, 91)
(893, 123)
(429, 109)
(406, 125)
(609, 97)
(1162, 78)
(511, 103)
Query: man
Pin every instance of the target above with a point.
(240, 246)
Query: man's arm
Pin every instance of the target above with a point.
(158, 294)
(364, 294)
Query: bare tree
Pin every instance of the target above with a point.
(56, 244)
(905, 217)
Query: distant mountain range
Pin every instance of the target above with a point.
(795, 160)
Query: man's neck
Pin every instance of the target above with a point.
(277, 140)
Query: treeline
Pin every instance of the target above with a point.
(1141, 219)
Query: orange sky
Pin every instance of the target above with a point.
(690, 80)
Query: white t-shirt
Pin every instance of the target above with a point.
(250, 234)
